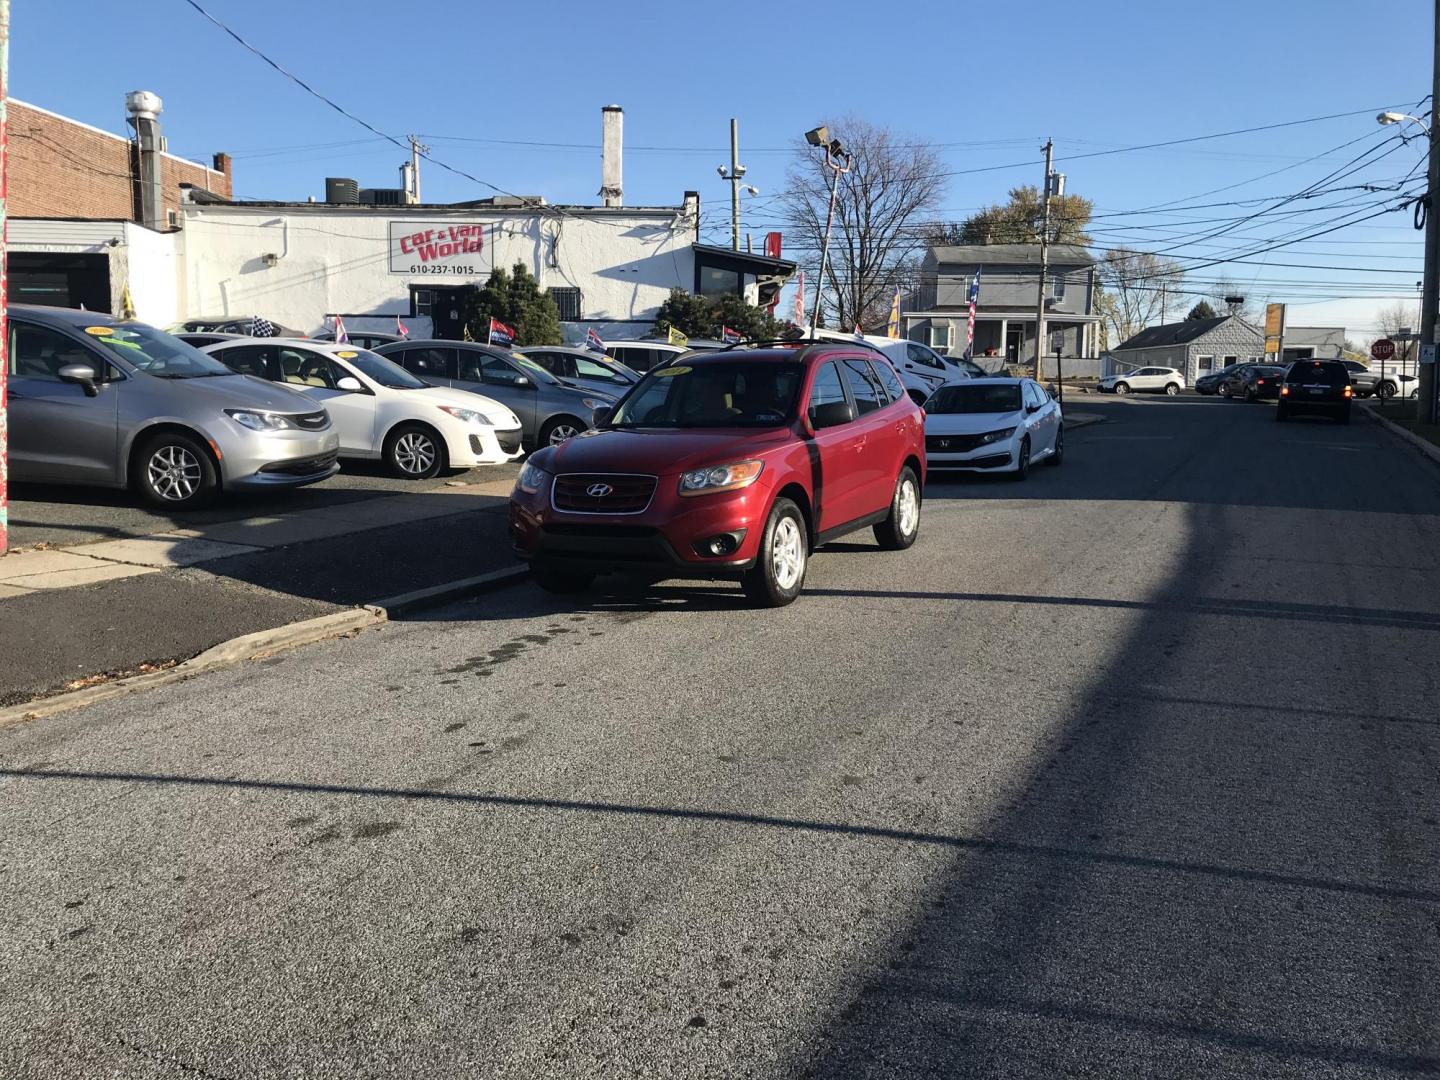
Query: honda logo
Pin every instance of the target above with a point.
(598, 491)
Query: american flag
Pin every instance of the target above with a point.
(970, 329)
(261, 327)
(593, 340)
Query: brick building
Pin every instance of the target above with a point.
(89, 209)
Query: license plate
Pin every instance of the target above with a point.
(1317, 391)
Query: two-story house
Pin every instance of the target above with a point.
(1005, 309)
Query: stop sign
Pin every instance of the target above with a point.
(1383, 349)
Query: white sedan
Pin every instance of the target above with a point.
(993, 425)
(379, 408)
(1162, 380)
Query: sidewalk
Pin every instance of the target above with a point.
(70, 614)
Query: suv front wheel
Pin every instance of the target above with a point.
(898, 531)
(779, 572)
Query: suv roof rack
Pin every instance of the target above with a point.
(802, 343)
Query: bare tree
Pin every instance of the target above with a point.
(1135, 284)
(875, 243)
(1392, 319)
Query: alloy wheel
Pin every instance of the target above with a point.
(414, 452)
(787, 553)
(174, 473)
(560, 432)
(909, 507)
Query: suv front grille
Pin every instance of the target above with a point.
(603, 493)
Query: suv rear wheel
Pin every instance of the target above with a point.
(1172, 388)
(558, 579)
(898, 531)
(779, 572)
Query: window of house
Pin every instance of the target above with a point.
(421, 301)
(1057, 286)
(567, 300)
(1207, 363)
(717, 282)
(940, 335)
(1231, 360)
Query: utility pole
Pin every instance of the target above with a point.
(1428, 407)
(735, 174)
(1164, 304)
(4, 299)
(1045, 257)
(416, 149)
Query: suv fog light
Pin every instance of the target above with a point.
(715, 547)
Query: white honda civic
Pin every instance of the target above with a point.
(379, 409)
(997, 425)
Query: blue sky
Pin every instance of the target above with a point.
(483, 83)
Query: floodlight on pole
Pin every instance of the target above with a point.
(834, 154)
(1385, 119)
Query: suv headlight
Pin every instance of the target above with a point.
(259, 421)
(720, 478)
(996, 436)
(531, 479)
(467, 416)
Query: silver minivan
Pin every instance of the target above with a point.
(116, 403)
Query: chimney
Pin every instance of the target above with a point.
(612, 154)
(144, 109)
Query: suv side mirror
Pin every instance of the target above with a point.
(1033, 408)
(82, 375)
(831, 414)
(601, 416)
(349, 384)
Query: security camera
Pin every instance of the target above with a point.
(819, 136)
(720, 169)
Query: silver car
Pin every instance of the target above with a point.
(549, 409)
(98, 400)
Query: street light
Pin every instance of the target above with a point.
(834, 154)
(1385, 119)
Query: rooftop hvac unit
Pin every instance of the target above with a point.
(383, 196)
(341, 189)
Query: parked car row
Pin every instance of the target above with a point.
(1262, 381)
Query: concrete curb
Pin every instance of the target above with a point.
(463, 589)
(268, 642)
(1429, 449)
(227, 653)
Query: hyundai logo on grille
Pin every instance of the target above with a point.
(598, 491)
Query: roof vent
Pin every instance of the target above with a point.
(341, 189)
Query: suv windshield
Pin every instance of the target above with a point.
(1311, 371)
(383, 371)
(156, 352)
(710, 394)
(992, 398)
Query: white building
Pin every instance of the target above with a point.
(370, 256)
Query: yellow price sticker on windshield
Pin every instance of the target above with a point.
(665, 372)
(347, 355)
(99, 331)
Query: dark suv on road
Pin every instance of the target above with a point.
(732, 464)
(1316, 386)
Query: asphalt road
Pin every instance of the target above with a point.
(65, 515)
(1128, 771)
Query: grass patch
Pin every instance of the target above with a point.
(1405, 413)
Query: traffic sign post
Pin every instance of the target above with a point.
(1382, 350)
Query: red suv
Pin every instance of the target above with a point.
(732, 464)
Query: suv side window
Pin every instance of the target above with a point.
(827, 387)
(865, 392)
(37, 352)
(893, 386)
(919, 354)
